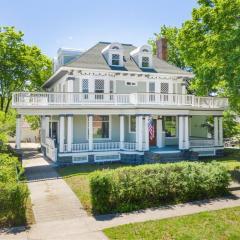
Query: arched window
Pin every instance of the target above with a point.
(145, 50)
(115, 47)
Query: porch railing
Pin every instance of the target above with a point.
(102, 146)
(51, 150)
(201, 142)
(47, 99)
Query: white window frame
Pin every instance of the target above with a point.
(110, 128)
(148, 61)
(129, 124)
(99, 89)
(176, 128)
(107, 154)
(115, 59)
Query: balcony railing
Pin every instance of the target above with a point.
(48, 99)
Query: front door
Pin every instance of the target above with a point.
(153, 134)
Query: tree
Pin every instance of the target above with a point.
(174, 56)
(22, 67)
(210, 44)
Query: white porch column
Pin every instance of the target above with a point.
(160, 140)
(61, 133)
(140, 134)
(146, 133)
(215, 131)
(90, 132)
(122, 132)
(180, 132)
(18, 131)
(186, 132)
(46, 126)
(69, 132)
(220, 122)
(137, 132)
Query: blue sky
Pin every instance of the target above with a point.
(51, 24)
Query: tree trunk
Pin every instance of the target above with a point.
(8, 104)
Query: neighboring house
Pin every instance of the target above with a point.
(28, 134)
(118, 102)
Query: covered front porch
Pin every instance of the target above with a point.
(70, 135)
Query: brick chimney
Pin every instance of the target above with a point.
(162, 48)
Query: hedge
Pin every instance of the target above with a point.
(132, 188)
(13, 192)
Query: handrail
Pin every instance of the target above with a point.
(42, 99)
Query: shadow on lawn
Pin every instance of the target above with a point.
(198, 203)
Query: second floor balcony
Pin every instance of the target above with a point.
(64, 99)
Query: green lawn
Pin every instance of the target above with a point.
(215, 225)
(77, 177)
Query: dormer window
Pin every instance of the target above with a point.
(115, 59)
(142, 56)
(145, 62)
(113, 54)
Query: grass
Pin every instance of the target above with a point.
(77, 177)
(215, 225)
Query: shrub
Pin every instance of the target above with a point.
(132, 188)
(13, 193)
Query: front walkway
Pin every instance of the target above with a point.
(60, 216)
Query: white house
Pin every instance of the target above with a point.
(98, 105)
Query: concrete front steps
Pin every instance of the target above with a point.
(169, 156)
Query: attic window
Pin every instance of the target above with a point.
(115, 59)
(145, 50)
(145, 62)
(116, 48)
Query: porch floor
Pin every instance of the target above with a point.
(166, 149)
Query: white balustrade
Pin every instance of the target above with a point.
(201, 142)
(28, 99)
(106, 146)
(130, 146)
(51, 150)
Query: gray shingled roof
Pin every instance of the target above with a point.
(93, 59)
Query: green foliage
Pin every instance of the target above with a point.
(34, 121)
(13, 193)
(210, 44)
(23, 67)
(7, 126)
(131, 188)
(174, 55)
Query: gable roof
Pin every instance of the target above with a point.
(94, 59)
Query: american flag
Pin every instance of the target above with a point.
(151, 128)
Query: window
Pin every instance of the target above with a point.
(164, 87)
(152, 87)
(132, 124)
(111, 86)
(170, 126)
(116, 48)
(85, 85)
(145, 50)
(99, 86)
(115, 59)
(145, 62)
(101, 127)
(131, 84)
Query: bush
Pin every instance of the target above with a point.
(132, 188)
(13, 193)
